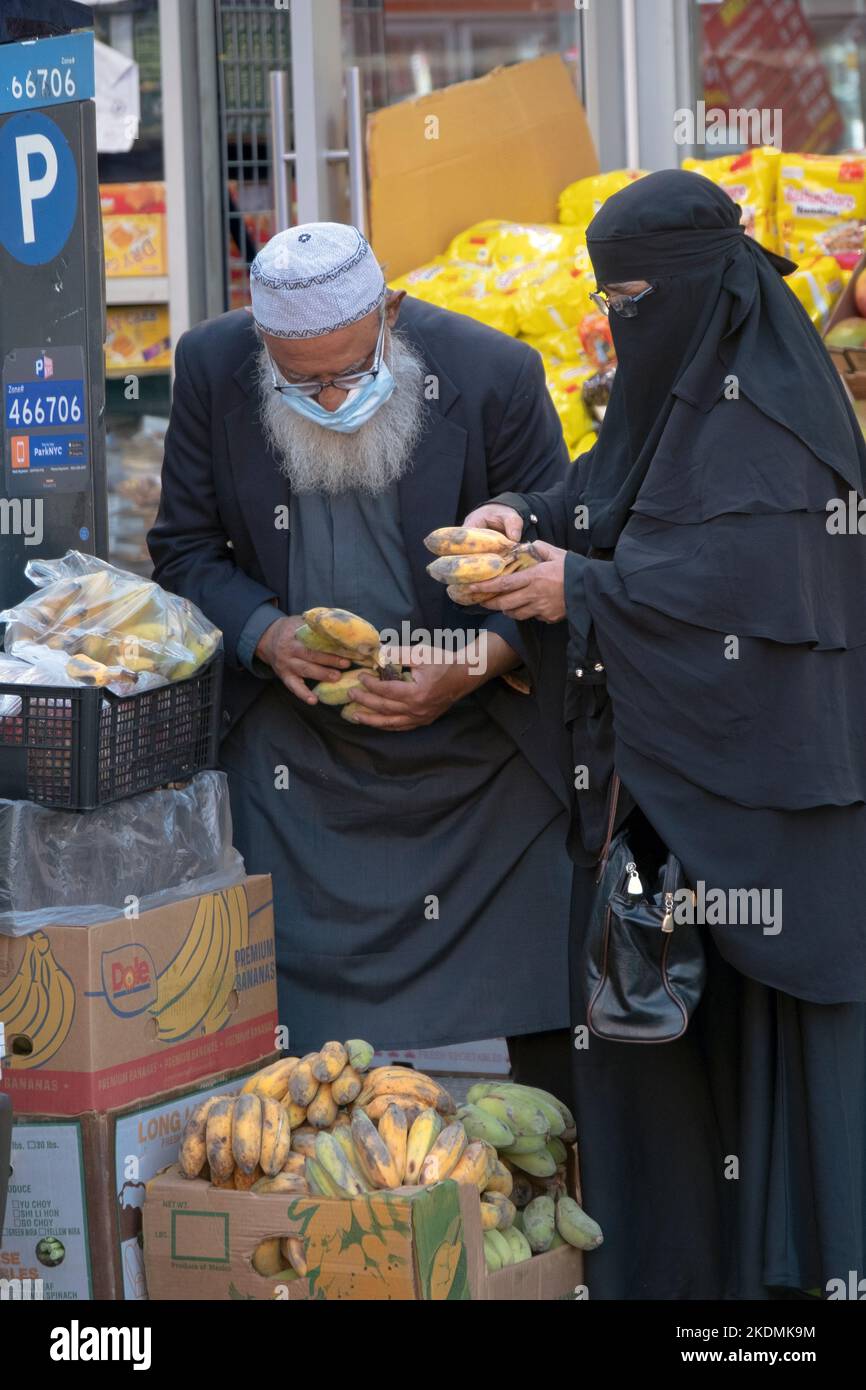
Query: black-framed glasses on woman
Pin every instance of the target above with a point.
(623, 304)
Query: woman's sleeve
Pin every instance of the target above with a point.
(584, 665)
(543, 513)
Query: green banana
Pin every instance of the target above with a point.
(500, 1244)
(480, 1124)
(492, 1256)
(342, 1135)
(336, 1166)
(520, 1248)
(538, 1165)
(558, 1149)
(521, 1116)
(547, 1098)
(562, 1120)
(360, 1053)
(539, 1223)
(575, 1226)
(527, 1144)
(319, 1182)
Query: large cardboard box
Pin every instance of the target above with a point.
(76, 1192)
(505, 145)
(415, 1243)
(100, 1017)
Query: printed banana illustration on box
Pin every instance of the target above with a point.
(99, 1017)
(36, 1006)
(193, 992)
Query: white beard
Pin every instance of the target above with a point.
(315, 459)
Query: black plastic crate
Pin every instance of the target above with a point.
(76, 748)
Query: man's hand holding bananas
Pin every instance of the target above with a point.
(439, 679)
(295, 663)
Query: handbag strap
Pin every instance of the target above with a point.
(615, 785)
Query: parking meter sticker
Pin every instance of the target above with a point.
(47, 72)
(39, 177)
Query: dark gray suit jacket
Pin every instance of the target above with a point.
(492, 429)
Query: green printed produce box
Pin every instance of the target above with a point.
(76, 1191)
(415, 1243)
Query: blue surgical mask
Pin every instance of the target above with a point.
(359, 406)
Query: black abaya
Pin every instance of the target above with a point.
(770, 1081)
(717, 658)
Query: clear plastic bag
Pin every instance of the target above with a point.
(87, 608)
(60, 868)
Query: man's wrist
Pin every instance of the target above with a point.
(265, 646)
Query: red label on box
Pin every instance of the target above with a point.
(54, 1092)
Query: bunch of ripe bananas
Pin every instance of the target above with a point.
(243, 1140)
(114, 626)
(469, 555)
(342, 633)
(324, 1125)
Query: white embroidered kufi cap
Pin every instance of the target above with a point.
(313, 279)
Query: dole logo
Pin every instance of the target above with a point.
(128, 979)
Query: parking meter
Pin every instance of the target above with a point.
(52, 305)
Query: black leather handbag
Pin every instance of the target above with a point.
(644, 974)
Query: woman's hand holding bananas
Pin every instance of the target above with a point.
(293, 662)
(494, 516)
(537, 592)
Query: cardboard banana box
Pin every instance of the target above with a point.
(416, 1243)
(76, 1193)
(100, 1017)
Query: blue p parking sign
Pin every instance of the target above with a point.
(39, 179)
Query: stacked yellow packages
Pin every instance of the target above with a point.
(580, 201)
(750, 179)
(822, 207)
(818, 283)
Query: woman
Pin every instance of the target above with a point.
(716, 631)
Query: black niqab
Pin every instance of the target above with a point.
(729, 624)
(720, 318)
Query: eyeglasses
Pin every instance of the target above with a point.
(349, 381)
(623, 304)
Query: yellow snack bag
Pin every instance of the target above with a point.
(580, 201)
(438, 280)
(565, 385)
(822, 206)
(483, 302)
(557, 300)
(513, 243)
(750, 179)
(818, 284)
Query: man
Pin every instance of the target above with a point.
(420, 880)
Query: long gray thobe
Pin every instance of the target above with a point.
(420, 879)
